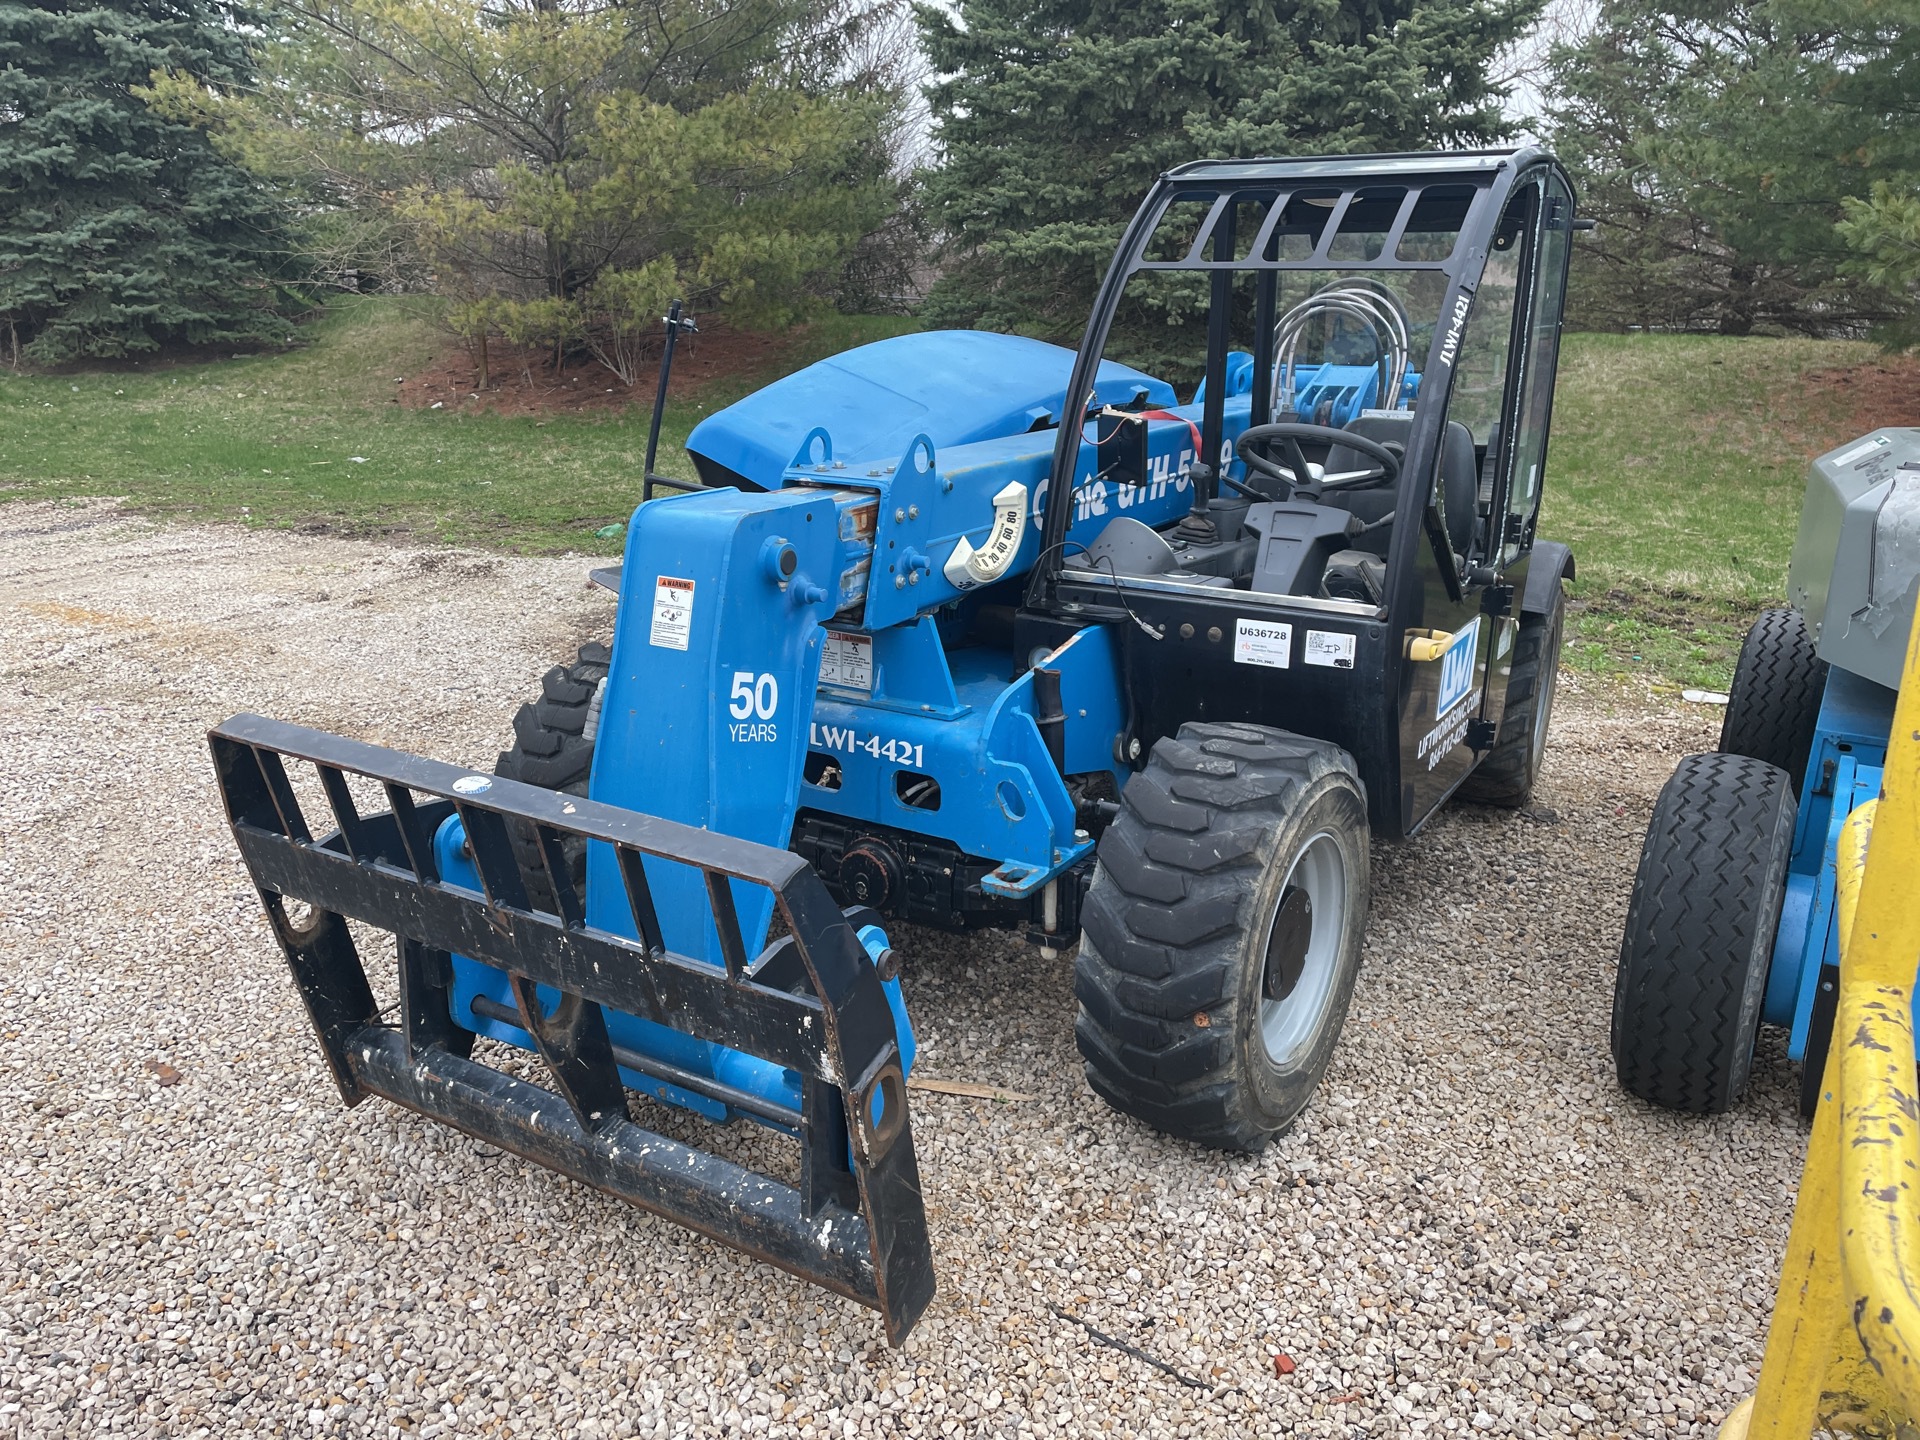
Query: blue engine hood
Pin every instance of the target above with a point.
(955, 386)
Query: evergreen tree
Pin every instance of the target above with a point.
(1868, 92)
(565, 168)
(1056, 117)
(120, 228)
(1747, 162)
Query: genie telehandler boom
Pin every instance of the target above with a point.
(969, 630)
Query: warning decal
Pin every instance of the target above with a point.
(846, 660)
(672, 613)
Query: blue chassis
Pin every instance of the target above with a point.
(1843, 772)
(700, 721)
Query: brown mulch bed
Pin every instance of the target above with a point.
(1866, 397)
(526, 382)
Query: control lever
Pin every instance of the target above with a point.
(1196, 527)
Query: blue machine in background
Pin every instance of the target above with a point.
(1733, 921)
(1843, 767)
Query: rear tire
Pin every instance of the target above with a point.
(1700, 930)
(553, 748)
(1773, 706)
(1221, 936)
(1506, 776)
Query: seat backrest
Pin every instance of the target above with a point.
(1459, 476)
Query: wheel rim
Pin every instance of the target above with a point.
(1302, 952)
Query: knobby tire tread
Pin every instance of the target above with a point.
(552, 749)
(1163, 923)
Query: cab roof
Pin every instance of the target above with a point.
(1410, 165)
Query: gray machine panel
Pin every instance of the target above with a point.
(1856, 563)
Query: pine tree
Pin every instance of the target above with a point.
(121, 229)
(1746, 162)
(1868, 93)
(563, 169)
(1056, 117)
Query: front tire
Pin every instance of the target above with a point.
(553, 748)
(1221, 936)
(1700, 929)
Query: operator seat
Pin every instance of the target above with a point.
(1459, 475)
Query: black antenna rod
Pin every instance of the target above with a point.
(675, 324)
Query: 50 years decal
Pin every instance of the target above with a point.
(753, 701)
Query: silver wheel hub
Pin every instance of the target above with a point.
(1302, 951)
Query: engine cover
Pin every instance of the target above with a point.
(1856, 561)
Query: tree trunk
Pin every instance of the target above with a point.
(559, 266)
(480, 355)
(1737, 319)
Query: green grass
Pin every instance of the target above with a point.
(271, 439)
(1676, 471)
(1676, 467)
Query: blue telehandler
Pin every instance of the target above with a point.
(969, 630)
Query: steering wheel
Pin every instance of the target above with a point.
(1250, 447)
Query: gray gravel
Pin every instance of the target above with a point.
(1471, 1229)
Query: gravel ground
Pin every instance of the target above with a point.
(1472, 1229)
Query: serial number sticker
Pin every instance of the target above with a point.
(1261, 642)
(1865, 448)
(672, 613)
(846, 660)
(845, 740)
(1328, 647)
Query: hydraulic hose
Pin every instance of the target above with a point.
(1378, 311)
